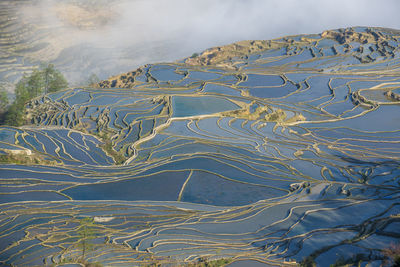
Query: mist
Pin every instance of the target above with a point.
(136, 32)
(213, 22)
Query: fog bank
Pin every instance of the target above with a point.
(112, 36)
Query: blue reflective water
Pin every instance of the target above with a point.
(193, 106)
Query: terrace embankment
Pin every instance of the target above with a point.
(365, 45)
(263, 113)
(285, 156)
(24, 157)
(371, 36)
(392, 95)
(217, 55)
(126, 80)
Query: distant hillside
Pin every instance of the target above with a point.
(379, 43)
(77, 36)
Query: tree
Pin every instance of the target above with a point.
(34, 83)
(45, 79)
(3, 100)
(86, 233)
(25, 89)
(93, 79)
(53, 79)
(3, 104)
(14, 115)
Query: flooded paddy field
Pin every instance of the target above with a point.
(278, 157)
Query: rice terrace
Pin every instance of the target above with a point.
(280, 152)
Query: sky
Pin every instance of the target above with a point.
(149, 31)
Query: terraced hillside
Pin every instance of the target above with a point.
(282, 152)
(75, 36)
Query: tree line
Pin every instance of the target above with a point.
(43, 80)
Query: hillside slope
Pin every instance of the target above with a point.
(283, 152)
